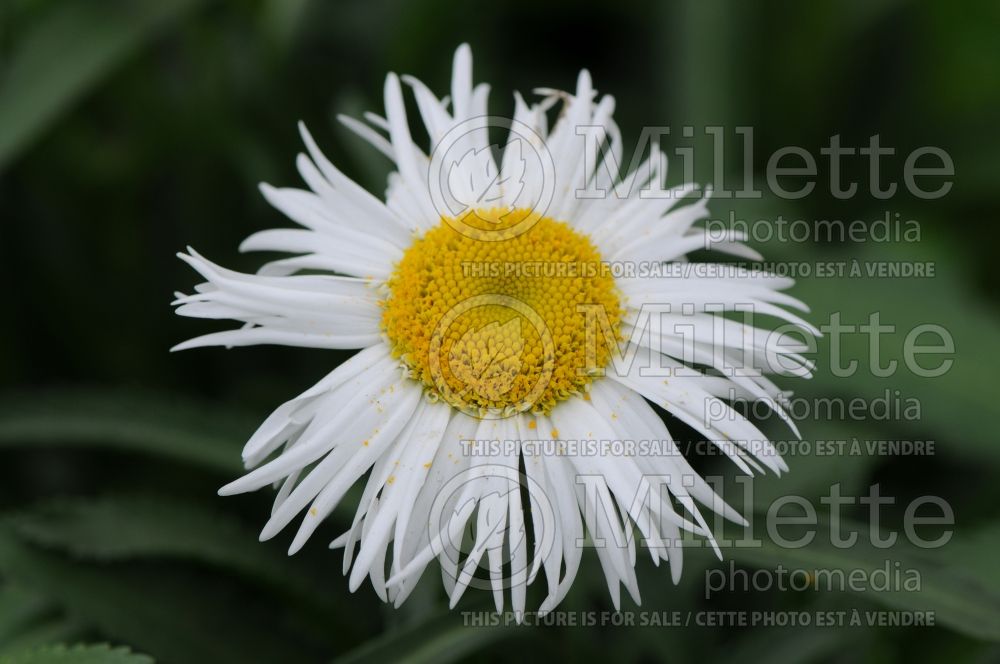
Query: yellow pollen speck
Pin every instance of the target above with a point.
(555, 433)
(365, 443)
(532, 424)
(513, 323)
(391, 479)
(312, 511)
(427, 465)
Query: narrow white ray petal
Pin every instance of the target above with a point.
(381, 419)
(377, 141)
(345, 472)
(416, 544)
(418, 442)
(369, 209)
(432, 111)
(413, 173)
(324, 433)
(461, 82)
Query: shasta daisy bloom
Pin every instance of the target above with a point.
(481, 298)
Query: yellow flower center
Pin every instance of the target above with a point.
(496, 319)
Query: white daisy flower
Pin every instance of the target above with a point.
(480, 301)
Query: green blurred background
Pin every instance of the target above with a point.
(129, 130)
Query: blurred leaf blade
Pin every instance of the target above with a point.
(119, 528)
(67, 52)
(957, 596)
(441, 639)
(173, 613)
(951, 404)
(18, 607)
(116, 419)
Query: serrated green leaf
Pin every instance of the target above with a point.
(79, 654)
(47, 632)
(169, 612)
(116, 528)
(29, 620)
(114, 419)
(67, 52)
